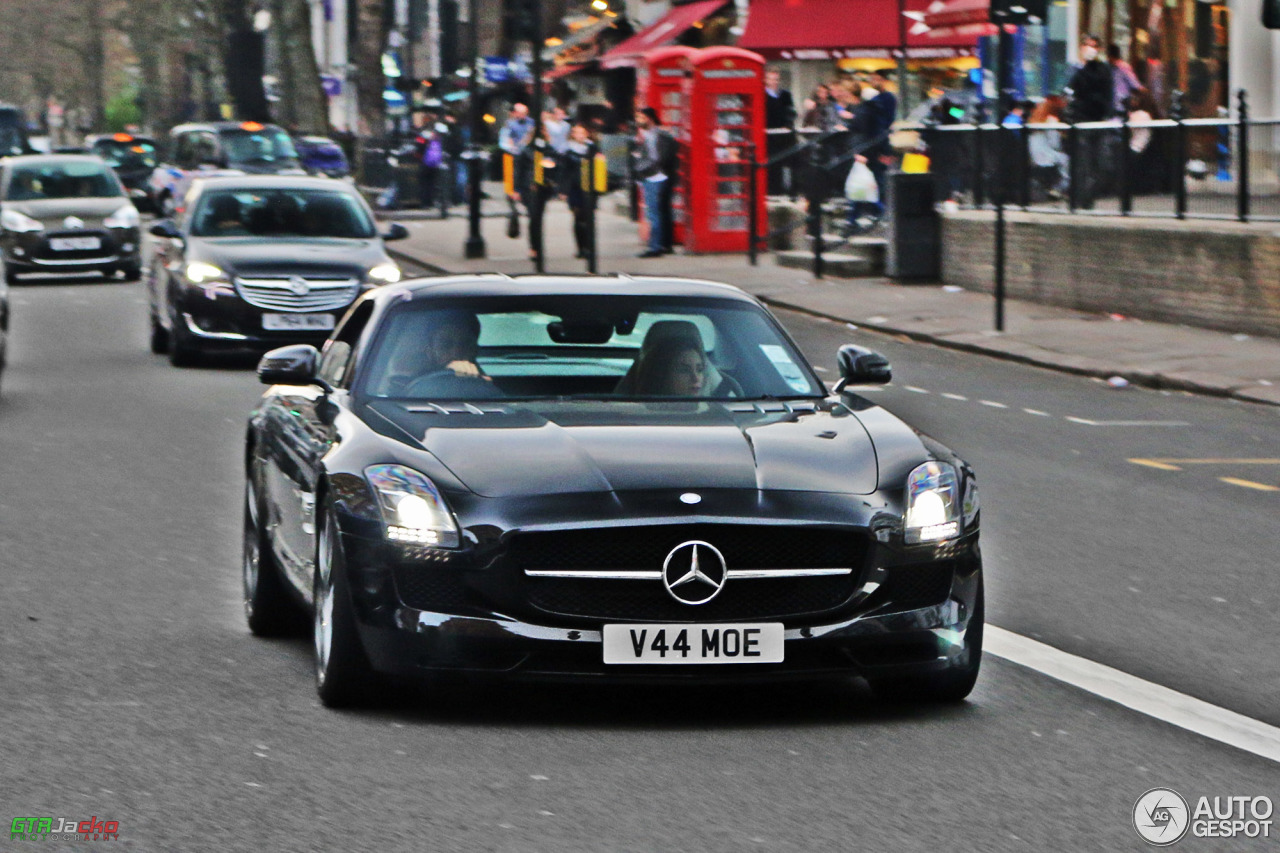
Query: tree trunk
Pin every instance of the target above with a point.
(303, 104)
(369, 43)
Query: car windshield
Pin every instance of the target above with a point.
(126, 154)
(80, 179)
(281, 213)
(595, 347)
(256, 147)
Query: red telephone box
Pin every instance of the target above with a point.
(660, 83)
(725, 103)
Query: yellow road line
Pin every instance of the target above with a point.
(1250, 484)
(1153, 463)
(1215, 461)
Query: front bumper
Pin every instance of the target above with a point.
(915, 631)
(29, 252)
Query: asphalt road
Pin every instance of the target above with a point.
(133, 691)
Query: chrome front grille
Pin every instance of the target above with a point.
(289, 294)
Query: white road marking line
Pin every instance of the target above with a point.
(955, 396)
(1036, 412)
(915, 389)
(1088, 422)
(1145, 697)
(993, 404)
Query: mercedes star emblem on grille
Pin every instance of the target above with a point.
(73, 223)
(299, 285)
(694, 572)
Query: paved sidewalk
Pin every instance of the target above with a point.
(1151, 354)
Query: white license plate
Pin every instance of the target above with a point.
(74, 244)
(718, 643)
(305, 322)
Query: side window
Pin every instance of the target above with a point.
(206, 148)
(183, 153)
(338, 358)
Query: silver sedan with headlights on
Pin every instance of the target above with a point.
(66, 214)
(255, 262)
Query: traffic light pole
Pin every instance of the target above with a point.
(1002, 165)
(476, 162)
(538, 146)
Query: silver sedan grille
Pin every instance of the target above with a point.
(298, 294)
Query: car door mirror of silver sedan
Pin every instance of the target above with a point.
(291, 365)
(861, 366)
(395, 232)
(166, 228)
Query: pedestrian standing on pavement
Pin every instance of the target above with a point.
(1125, 82)
(656, 166)
(1092, 96)
(779, 124)
(821, 115)
(574, 195)
(430, 165)
(515, 139)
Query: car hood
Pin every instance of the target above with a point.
(518, 449)
(52, 211)
(266, 256)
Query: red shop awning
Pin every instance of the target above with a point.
(661, 32)
(836, 29)
(959, 18)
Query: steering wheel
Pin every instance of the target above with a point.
(446, 383)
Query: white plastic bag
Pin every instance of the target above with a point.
(861, 184)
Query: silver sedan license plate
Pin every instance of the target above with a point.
(74, 244)
(305, 322)
(732, 642)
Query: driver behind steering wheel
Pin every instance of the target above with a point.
(448, 345)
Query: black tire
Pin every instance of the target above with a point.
(343, 675)
(159, 336)
(948, 687)
(182, 352)
(268, 608)
(132, 272)
(10, 276)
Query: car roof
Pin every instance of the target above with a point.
(220, 125)
(271, 182)
(558, 285)
(51, 159)
(95, 138)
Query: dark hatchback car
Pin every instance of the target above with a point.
(66, 213)
(601, 479)
(132, 157)
(254, 262)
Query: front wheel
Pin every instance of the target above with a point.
(132, 272)
(182, 352)
(267, 606)
(951, 686)
(159, 336)
(343, 674)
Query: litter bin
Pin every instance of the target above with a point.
(915, 233)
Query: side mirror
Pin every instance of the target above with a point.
(1271, 14)
(396, 232)
(861, 366)
(166, 228)
(291, 365)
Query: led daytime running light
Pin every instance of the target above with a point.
(412, 508)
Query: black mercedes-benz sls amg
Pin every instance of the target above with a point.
(601, 478)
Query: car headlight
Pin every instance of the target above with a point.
(412, 507)
(12, 220)
(932, 504)
(198, 272)
(125, 217)
(387, 273)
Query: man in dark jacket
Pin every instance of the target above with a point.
(1092, 94)
(780, 124)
